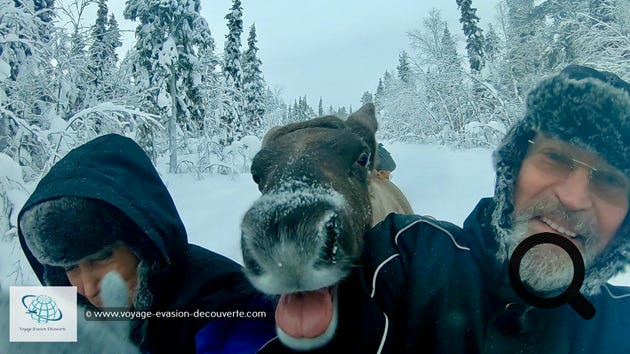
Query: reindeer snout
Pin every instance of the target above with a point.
(331, 231)
(291, 242)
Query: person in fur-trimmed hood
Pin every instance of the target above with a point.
(563, 168)
(103, 208)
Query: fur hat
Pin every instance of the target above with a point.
(589, 109)
(60, 232)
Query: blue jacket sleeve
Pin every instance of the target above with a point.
(235, 335)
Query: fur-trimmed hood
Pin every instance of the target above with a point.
(589, 109)
(100, 170)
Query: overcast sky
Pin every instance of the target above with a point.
(336, 49)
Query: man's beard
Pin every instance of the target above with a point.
(546, 269)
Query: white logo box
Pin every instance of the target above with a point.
(43, 314)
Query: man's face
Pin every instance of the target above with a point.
(565, 190)
(87, 274)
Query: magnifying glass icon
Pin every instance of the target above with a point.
(571, 295)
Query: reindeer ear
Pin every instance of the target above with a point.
(365, 117)
(363, 123)
(331, 122)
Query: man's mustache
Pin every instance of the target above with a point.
(581, 222)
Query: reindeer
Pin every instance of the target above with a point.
(301, 238)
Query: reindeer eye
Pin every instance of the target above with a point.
(363, 159)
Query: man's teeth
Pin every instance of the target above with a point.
(557, 227)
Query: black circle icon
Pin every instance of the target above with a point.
(571, 295)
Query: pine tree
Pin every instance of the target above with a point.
(378, 95)
(342, 112)
(98, 49)
(232, 52)
(523, 49)
(367, 96)
(320, 107)
(404, 70)
(305, 111)
(300, 110)
(105, 38)
(449, 55)
(276, 110)
(452, 76)
(253, 86)
(474, 36)
(232, 117)
(291, 113)
(112, 37)
(492, 44)
(168, 40)
(211, 89)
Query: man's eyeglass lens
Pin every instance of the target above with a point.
(607, 184)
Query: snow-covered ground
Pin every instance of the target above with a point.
(437, 180)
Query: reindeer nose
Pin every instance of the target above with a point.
(331, 230)
(291, 231)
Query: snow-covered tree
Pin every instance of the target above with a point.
(403, 68)
(367, 97)
(300, 110)
(112, 36)
(105, 38)
(168, 39)
(378, 95)
(524, 45)
(435, 106)
(473, 34)
(232, 53)
(253, 86)
(602, 35)
(18, 18)
(210, 89)
(320, 107)
(99, 51)
(232, 115)
(342, 112)
(276, 112)
(26, 88)
(492, 44)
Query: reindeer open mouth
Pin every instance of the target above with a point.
(293, 246)
(307, 319)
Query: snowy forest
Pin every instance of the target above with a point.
(203, 110)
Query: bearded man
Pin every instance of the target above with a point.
(563, 168)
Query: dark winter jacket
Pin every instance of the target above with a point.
(428, 286)
(444, 291)
(116, 170)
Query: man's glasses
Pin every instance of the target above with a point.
(554, 161)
